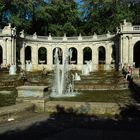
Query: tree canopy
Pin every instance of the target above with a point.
(68, 16)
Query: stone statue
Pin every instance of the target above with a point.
(77, 77)
(12, 70)
(28, 66)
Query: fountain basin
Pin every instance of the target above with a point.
(32, 91)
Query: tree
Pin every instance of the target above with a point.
(63, 13)
(67, 16)
(1, 13)
(103, 15)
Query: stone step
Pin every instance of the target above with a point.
(100, 86)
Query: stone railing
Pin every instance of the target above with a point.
(128, 27)
(136, 28)
(75, 38)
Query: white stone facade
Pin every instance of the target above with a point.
(127, 36)
(8, 46)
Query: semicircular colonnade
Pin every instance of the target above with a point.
(109, 50)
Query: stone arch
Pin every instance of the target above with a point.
(87, 54)
(136, 54)
(28, 53)
(42, 55)
(60, 55)
(74, 56)
(1, 55)
(101, 55)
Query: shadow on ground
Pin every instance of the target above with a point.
(67, 125)
(135, 89)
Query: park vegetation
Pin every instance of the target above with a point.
(68, 16)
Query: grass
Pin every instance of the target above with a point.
(108, 96)
(99, 96)
(84, 96)
(8, 99)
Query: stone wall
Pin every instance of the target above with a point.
(83, 107)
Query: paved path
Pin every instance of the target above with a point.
(26, 121)
(95, 134)
(70, 127)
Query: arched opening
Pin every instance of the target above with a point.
(136, 55)
(87, 54)
(60, 55)
(73, 55)
(1, 55)
(28, 54)
(42, 55)
(101, 55)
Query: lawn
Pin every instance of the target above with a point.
(99, 96)
(8, 99)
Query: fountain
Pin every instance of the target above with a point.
(63, 80)
(12, 70)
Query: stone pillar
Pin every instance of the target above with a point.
(22, 56)
(5, 52)
(34, 56)
(125, 51)
(13, 51)
(108, 57)
(130, 51)
(50, 57)
(80, 58)
(9, 51)
(121, 50)
(95, 58)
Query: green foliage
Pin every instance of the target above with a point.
(69, 29)
(102, 16)
(67, 16)
(1, 6)
(1, 9)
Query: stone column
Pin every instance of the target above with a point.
(122, 52)
(125, 51)
(95, 58)
(13, 51)
(121, 49)
(130, 51)
(108, 56)
(50, 56)
(22, 56)
(9, 51)
(80, 58)
(34, 56)
(5, 52)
